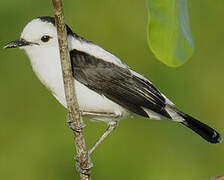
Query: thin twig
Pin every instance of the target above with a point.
(221, 177)
(75, 119)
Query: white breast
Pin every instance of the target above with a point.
(48, 70)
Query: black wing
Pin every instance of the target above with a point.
(117, 84)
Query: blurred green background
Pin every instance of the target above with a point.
(35, 142)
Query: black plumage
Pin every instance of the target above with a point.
(130, 91)
(117, 84)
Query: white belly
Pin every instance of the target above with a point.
(50, 74)
(89, 100)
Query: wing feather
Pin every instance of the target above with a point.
(117, 84)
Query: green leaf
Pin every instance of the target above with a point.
(169, 34)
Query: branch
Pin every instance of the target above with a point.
(221, 177)
(75, 119)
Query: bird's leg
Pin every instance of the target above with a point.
(111, 126)
(93, 114)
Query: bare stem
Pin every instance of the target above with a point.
(221, 177)
(75, 119)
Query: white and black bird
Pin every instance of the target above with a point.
(106, 88)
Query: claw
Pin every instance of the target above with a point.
(83, 170)
(71, 125)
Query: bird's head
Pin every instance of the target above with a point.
(39, 39)
(38, 33)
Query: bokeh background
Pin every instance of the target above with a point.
(35, 142)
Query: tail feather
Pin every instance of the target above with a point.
(206, 132)
(201, 129)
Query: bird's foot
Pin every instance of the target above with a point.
(83, 168)
(72, 126)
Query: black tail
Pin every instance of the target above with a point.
(200, 128)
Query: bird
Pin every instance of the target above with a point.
(106, 88)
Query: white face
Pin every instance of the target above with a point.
(41, 37)
(42, 34)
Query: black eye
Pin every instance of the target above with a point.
(45, 38)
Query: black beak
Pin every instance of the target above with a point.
(18, 43)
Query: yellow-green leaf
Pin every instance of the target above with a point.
(169, 35)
